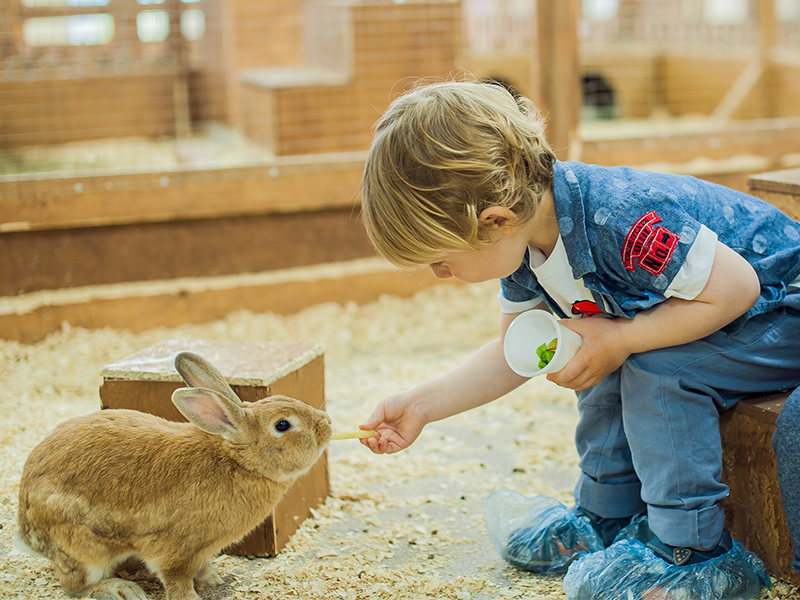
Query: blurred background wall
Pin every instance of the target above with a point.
(154, 140)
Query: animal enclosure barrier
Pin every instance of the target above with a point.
(155, 140)
(160, 85)
(699, 86)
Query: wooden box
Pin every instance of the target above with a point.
(754, 510)
(145, 381)
(781, 188)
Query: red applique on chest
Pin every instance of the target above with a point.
(650, 246)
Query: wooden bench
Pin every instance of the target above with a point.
(754, 510)
(145, 381)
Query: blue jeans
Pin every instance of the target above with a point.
(648, 435)
(786, 443)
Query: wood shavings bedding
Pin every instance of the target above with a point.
(405, 526)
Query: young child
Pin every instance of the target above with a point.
(685, 294)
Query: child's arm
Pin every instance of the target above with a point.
(483, 377)
(732, 288)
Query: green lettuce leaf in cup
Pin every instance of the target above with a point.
(545, 352)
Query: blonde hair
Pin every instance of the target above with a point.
(442, 154)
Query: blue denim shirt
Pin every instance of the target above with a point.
(627, 232)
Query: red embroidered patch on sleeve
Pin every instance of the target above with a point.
(586, 307)
(651, 246)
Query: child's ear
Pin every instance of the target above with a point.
(498, 217)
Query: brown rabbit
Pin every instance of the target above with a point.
(121, 484)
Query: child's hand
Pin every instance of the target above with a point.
(397, 423)
(603, 351)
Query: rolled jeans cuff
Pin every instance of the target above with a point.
(609, 500)
(699, 528)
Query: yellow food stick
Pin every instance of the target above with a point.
(348, 435)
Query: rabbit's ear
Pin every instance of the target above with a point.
(199, 373)
(210, 411)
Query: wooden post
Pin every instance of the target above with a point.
(626, 16)
(755, 77)
(6, 45)
(767, 26)
(180, 72)
(11, 43)
(229, 61)
(767, 39)
(559, 73)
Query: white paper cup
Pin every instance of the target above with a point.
(530, 330)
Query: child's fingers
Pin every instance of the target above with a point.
(384, 442)
(373, 443)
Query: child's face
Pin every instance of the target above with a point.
(499, 259)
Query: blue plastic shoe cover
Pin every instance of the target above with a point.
(627, 570)
(633, 531)
(538, 534)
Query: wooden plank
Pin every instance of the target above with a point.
(786, 181)
(754, 511)
(780, 188)
(142, 306)
(62, 258)
(558, 73)
(771, 139)
(114, 198)
(763, 408)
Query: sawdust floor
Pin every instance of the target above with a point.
(404, 526)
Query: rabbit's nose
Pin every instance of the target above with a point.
(324, 427)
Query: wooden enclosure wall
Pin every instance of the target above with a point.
(194, 248)
(212, 62)
(276, 41)
(786, 79)
(111, 228)
(645, 79)
(636, 76)
(392, 45)
(53, 111)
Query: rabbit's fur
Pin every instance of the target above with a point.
(118, 484)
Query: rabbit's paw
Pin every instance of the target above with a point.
(208, 575)
(117, 589)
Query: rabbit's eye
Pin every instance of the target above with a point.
(282, 425)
